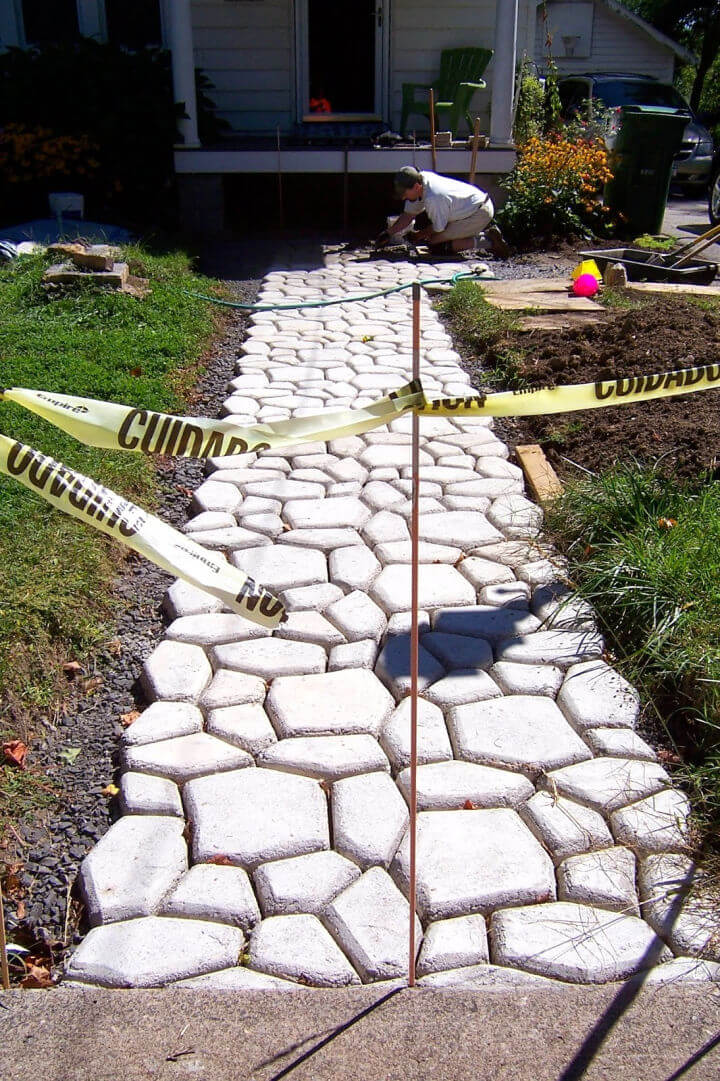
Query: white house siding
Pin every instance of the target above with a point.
(247, 49)
(617, 45)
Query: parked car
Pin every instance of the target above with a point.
(693, 162)
(714, 192)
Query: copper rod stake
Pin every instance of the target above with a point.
(432, 130)
(414, 636)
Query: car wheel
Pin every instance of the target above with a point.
(714, 198)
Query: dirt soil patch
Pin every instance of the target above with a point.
(681, 434)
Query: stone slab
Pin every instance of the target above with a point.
(278, 567)
(607, 784)
(561, 648)
(142, 794)
(369, 817)
(453, 944)
(271, 657)
(327, 758)
(304, 884)
(361, 654)
(484, 621)
(393, 666)
(659, 823)
(605, 878)
(457, 651)
(163, 720)
(439, 586)
(313, 598)
(176, 671)
(353, 567)
(309, 628)
(527, 678)
(232, 689)
(464, 785)
(299, 948)
(565, 828)
(462, 529)
(595, 696)
(214, 629)
(212, 892)
(333, 703)
(186, 757)
(246, 726)
(256, 815)
(433, 743)
(680, 905)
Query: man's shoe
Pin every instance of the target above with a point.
(498, 245)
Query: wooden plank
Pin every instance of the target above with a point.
(544, 294)
(557, 320)
(544, 482)
(674, 288)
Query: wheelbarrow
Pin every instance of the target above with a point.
(680, 266)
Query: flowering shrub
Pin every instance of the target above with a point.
(555, 187)
(38, 155)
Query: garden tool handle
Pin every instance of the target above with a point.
(697, 245)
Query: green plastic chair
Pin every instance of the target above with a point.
(459, 78)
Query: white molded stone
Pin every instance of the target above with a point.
(257, 505)
(453, 944)
(348, 469)
(660, 823)
(353, 568)
(466, 502)
(310, 627)
(683, 970)
(677, 905)
(141, 794)
(606, 784)
(439, 585)
(256, 815)
(565, 828)
(184, 599)
(232, 689)
(493, 466)
(393, 666)
(278, 567)
(271, 657)
(401, 623)
(508, 594)
(460, 686)
(514, 554)
(562, 648)
(284, 490)
(269, 524)
(214, 629)
(303, 883)
(527, 678)
(458, 651)
(370, 919)
(176, 671)
(488, 978)
(562, 610)
(246, 726)
(163, 720)
(209, 519)
(313, 598)
(542, 572)
(218, 496)
(212, 892)
(484, 572)
(357, 617)
(232, 539)
(369, 817)
(433, 743)
(186, 757)
(343, 511)
(574, 942)
(401, 552)
(385, 527)
(462, 529)
(515, 516)
(619, 742)
(520, 732)
(484, 489)
(326, 757)
(595, 696)
(485, 621)
(475, 861)
(238, 978)
(395, 456)
(605, 879)
(453, 785)
(362, 654)
(132, 866)
(379, 495)
(298, 947)
(153, 951)
(329, 704)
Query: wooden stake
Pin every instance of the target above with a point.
(4, 971)
(414, 633)
(433, 148)
(473, 159)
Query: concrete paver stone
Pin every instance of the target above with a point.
(214, 628)
(303, 883)
(279, 568)
(333, 703)
(271, 657)
(211, 892)
(232, 689)
(485, 621)
(659, 823)
(186, 757)
(298, 947)
(595, 696)
(353, 567)
(527, 678)
(327, 758)
(453, 944)
(572, 942)
(565, 828)
(176, 671)
(369, 817)
(605, 878)
(246, 726)
(455, 785)
(163, 720)
(393, 666)
(675, 904)
(142, 794)
(357, 617)
(433, 742)
(606, 784)
(561, 648)
(132, 866)
(361, 654)
(439, 586)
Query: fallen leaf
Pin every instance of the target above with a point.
(115, 647)
(126, 719)
(221, 861)
(136, 372)
(468, 805)
(93, 684)
(70, 754)
(20, 911)
(15, 752)
(666, 523)
(71, 669)
(669, 757)
(37, 977)
(110, 791)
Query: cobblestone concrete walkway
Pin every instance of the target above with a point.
(264, 841)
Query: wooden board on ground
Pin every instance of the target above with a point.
(545, 294)
(558, 320)
(542, 478)
(676, 288)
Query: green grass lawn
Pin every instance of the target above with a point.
(55, 600)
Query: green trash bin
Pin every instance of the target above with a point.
(640, 159)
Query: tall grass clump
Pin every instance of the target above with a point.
(645, 551)
(485, 331)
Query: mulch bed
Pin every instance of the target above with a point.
(681, 434)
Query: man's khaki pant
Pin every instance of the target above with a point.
(465, 227)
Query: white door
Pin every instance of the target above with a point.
(342, 59)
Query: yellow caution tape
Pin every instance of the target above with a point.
(109, 512)
(119, 427)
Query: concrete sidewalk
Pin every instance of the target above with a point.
(371, 1033)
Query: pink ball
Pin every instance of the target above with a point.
(586, 285)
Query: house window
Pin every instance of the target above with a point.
(133, 23)
(44, 22)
